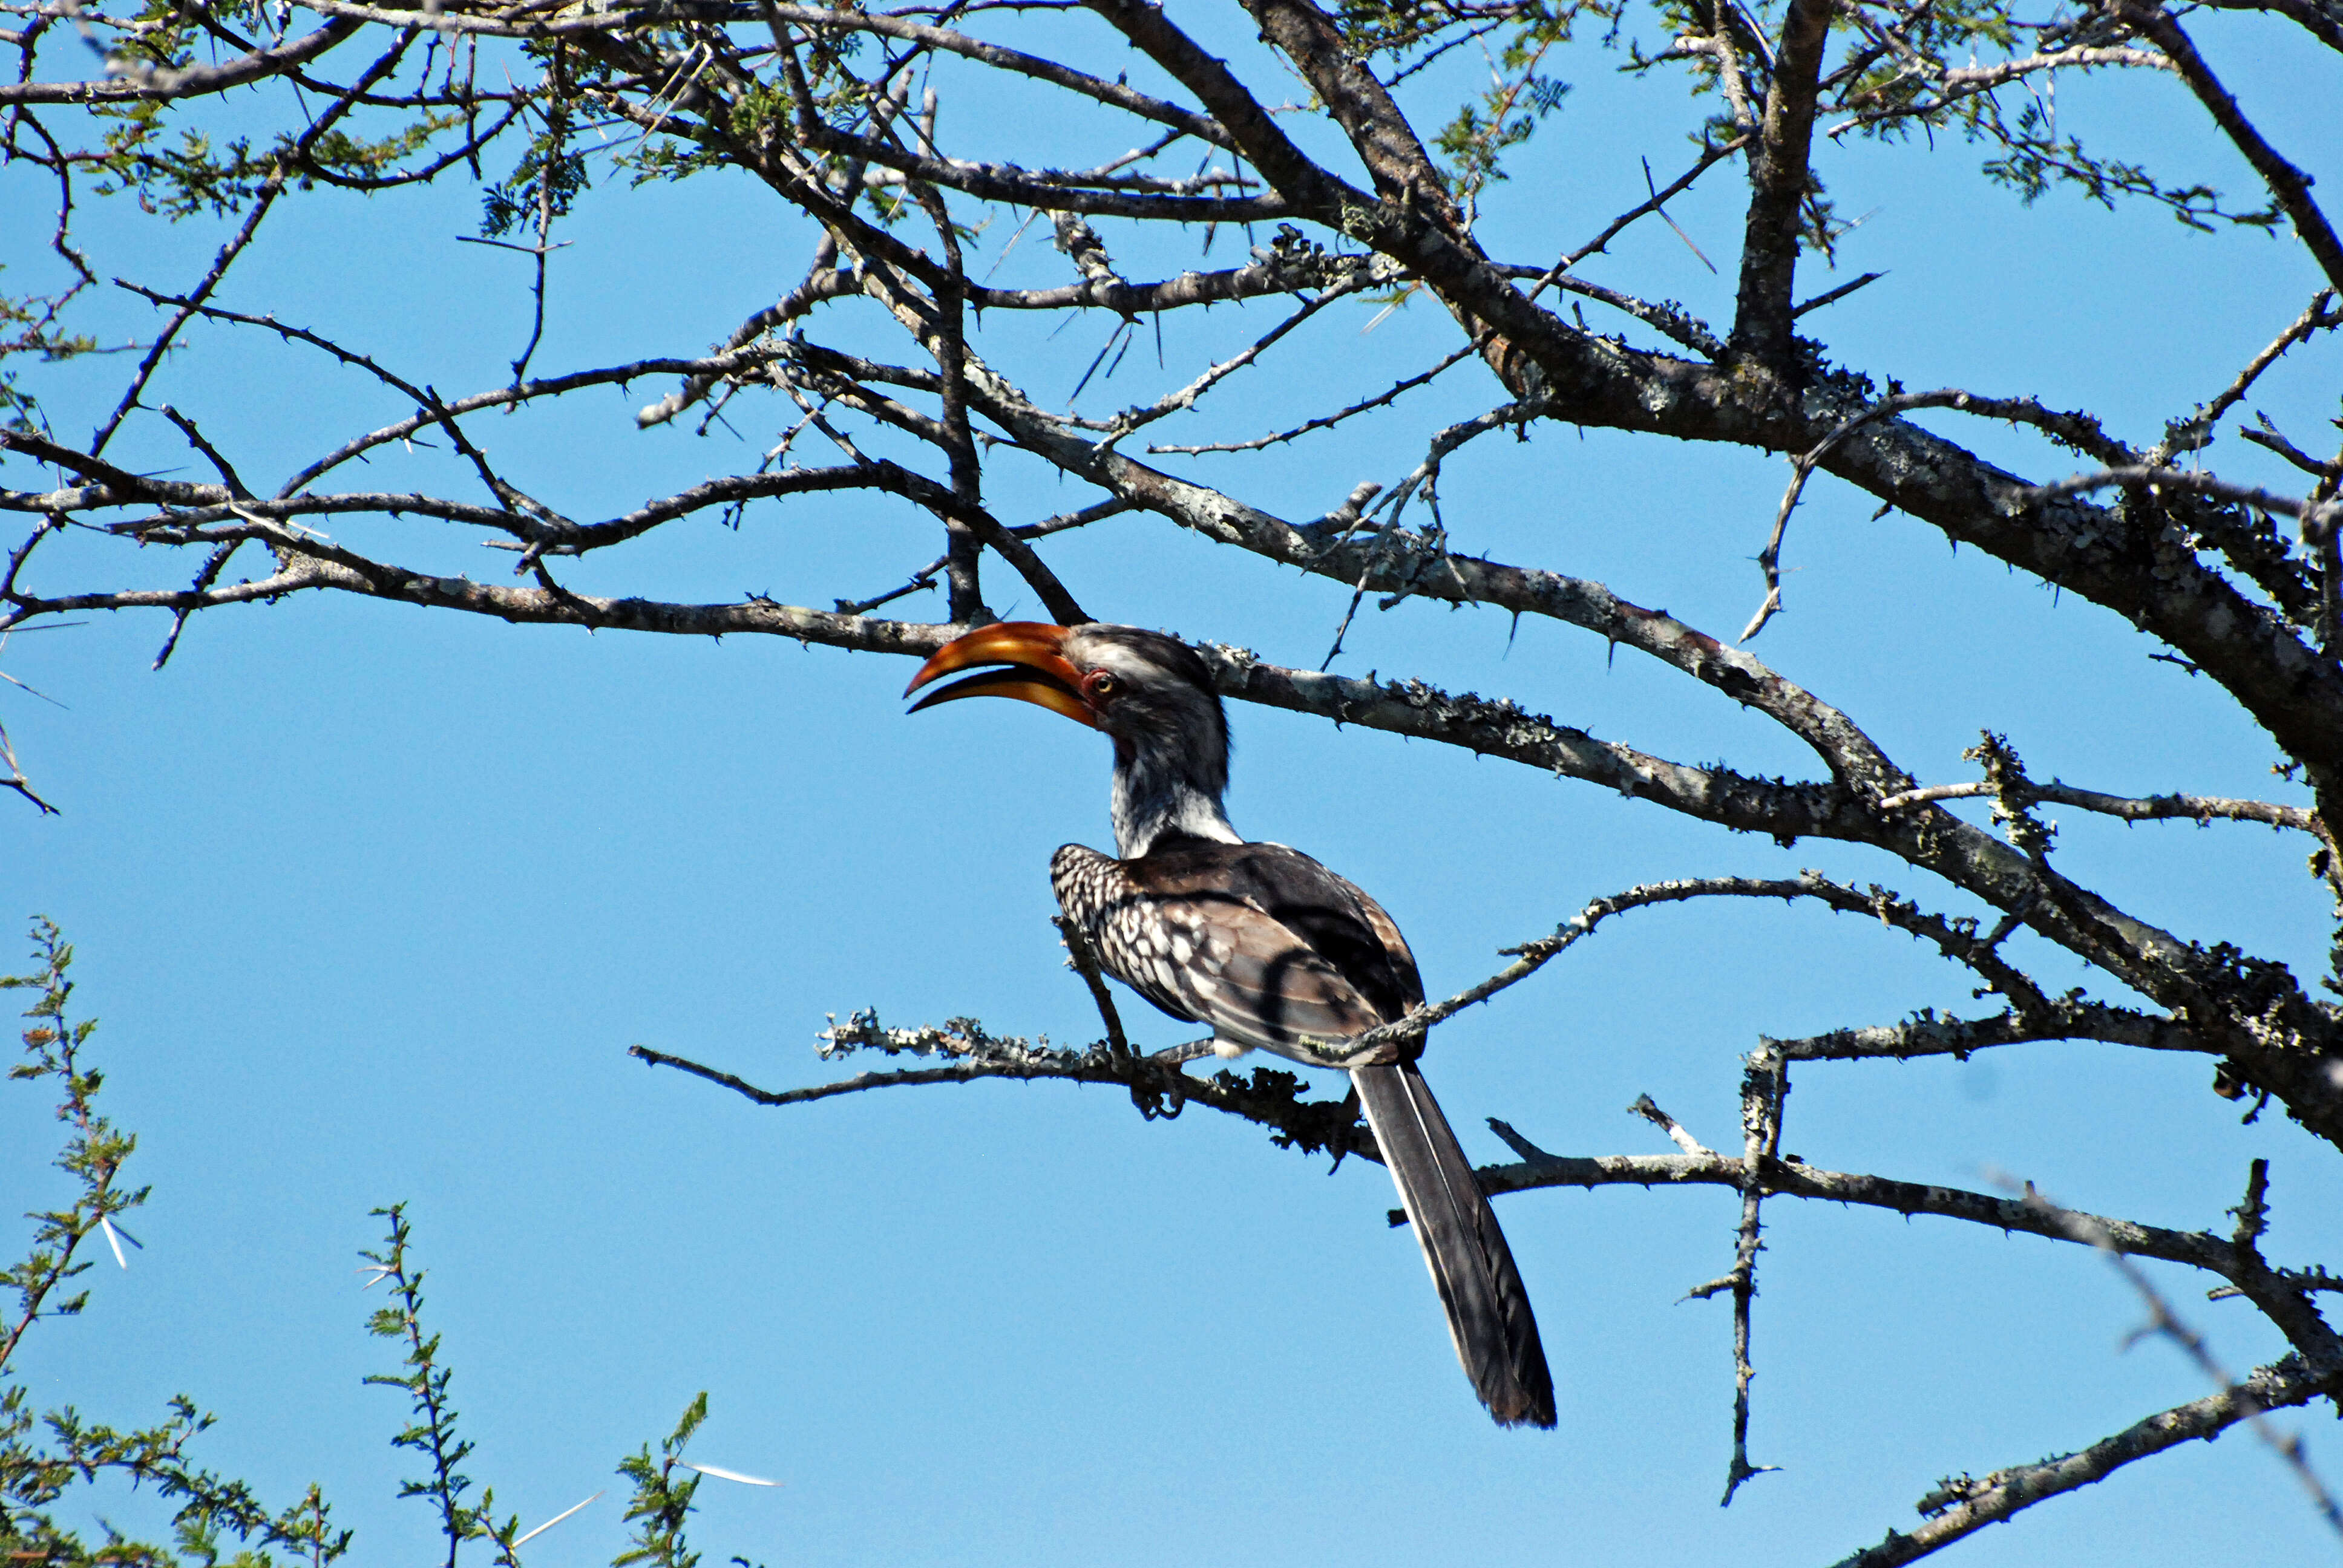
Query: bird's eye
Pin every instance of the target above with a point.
(1101, 684)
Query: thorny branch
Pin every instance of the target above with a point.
(968, 1051)
(1765, 1083)
(2252, 1218)
(1272, 1099)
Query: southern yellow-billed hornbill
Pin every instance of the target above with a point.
(1260, 942)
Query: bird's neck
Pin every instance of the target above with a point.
(1157, 797)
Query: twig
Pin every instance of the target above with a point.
(1963, 1505)
(2195, 431)
(1654, 205)
(1762, 1088)
(1133, 419)
(17, 779)
(1390, 393)
(1650, 1111)
(1424, 477)
(195, 590)
(2071, 428)
(220, 465)
(1271, 1098)
(921, 580)
(2062, 1017)
(280, 170)
(2163, 1320)
(2154, 807)
(2318, 518)
(2287, 183)
(2325, 469)
(1841, 292)
(971, 1052)
(1952, 940)
(1710, 156)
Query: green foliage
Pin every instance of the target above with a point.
(1942, 33)
(1389, 26)
(665, 159)
(548, 179)
(1504, 116)
(176, 180)
(1514, 43)
(758, 105)
(2333, 983)
(339, 159)
(432, 1431)
(158, 37)
(662, 1503)
(28, 325)
(94, 1153)
(177, 170)
(2034, 158)
(211, 1504)
(36, 1475)
(220, 1523)
(1394, 29)
(551, 172)
(1911, 69)
(1894, 98)
(179, 180)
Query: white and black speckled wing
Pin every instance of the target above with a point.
(1259, 941)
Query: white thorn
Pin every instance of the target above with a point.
(731, 1475)
(551, 1523)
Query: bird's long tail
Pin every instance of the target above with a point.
(1488, 1310)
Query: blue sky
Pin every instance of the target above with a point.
(372, 901)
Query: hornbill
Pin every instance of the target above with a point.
(1260, 941)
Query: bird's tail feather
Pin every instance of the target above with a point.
(1488, 1310)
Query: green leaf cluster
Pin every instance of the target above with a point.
(44, 1455)
(661, 1502)
(28, 326)
(432, 1432)
(2035, 157)
(180, 178)
(550, 176)
(220, 1522)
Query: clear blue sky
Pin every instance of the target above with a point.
(372, 901)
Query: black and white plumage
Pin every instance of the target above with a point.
(1261, 943)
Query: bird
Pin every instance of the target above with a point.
(1259, 941)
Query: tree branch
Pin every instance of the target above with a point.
(2199, 809)
(2286, 182)
(1778, 177)
(195, 81)
(1962, 1507)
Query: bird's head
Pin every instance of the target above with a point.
(1151, 693)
